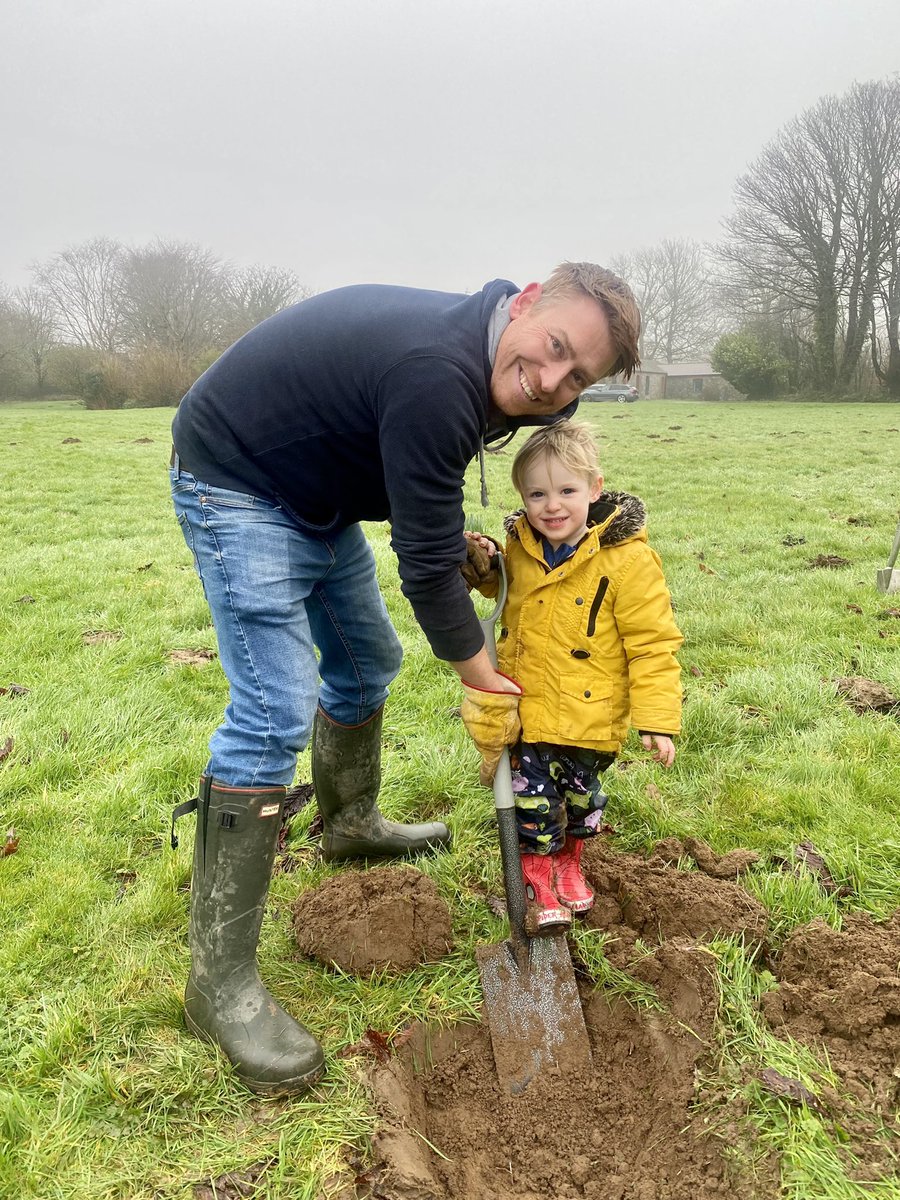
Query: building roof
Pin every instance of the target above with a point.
(694, 368)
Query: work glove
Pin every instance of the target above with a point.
(492, 721)
(479, 569)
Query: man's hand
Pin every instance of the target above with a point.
(477, 569)
(663, 748)
(492, 720)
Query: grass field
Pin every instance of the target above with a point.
(103, 1095)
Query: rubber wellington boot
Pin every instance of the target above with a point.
(568, 881)
(346, 771)
(549, 915)
(225, 1001)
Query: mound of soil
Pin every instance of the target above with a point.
(866, 695)
(648, 898)
(363, 921)
(841, 988)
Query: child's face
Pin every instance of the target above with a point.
(557, 499)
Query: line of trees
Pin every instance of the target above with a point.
(803, 291)
(801, 295)
(119, 325)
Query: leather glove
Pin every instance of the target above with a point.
(492, 721)
(479, 569)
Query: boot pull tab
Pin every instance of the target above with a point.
(181, 810)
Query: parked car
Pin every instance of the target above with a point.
(625, 393)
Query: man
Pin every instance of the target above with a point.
(366, 403)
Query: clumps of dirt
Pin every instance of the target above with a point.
(626, 1130)
(841, 988)
(646, 898)
(190, 658)
(719, 866)
(636, 1126)
(386, 918)
(865, 695)
(97, 637)
(828, 560)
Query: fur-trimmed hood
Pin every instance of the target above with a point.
(628, 517)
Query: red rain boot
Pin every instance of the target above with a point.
(568, 881)
(550, 915)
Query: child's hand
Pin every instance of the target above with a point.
(481, 540)
(663, 748)
(477, 570)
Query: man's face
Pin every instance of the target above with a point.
(550, 354)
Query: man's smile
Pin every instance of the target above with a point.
(523, 382)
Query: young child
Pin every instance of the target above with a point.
(588, 633)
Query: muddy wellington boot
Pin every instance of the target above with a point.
(569, 883)
(549, 914)
(225, 1001)
(346, 771)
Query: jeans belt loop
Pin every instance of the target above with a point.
(175, 462)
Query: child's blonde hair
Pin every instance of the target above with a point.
(569, 441)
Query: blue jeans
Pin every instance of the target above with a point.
(277, 596)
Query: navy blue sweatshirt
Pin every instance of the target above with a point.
(365, 403)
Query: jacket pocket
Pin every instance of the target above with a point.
(585, 709)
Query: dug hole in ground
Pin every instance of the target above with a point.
(642, 1125)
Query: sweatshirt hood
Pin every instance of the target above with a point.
(501, 426)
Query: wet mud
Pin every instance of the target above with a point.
(642, 1122)
(385, 918)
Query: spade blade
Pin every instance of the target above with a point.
(534, 1011)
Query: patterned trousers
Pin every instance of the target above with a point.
(558, 792)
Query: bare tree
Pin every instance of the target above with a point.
(172, 298)
(38, 319)
(84, 284)
(809, 225)
(252, 294)
(677, 300)
(883, 103)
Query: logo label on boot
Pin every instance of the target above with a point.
(269, 810)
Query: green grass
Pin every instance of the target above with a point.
(102, 1094)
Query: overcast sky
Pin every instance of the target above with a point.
(438, 143)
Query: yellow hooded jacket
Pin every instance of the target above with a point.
(593, 641)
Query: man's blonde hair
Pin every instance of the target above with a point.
(569, 441)
(616, 299)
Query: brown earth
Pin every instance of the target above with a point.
(363, 921)
(865, 695)
(841, 989)
(638, 1126)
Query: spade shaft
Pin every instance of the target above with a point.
(531, 998)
